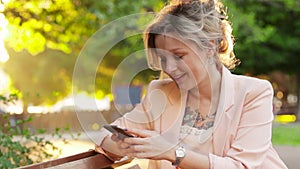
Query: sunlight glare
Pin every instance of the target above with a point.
(1, 8)
(5, 1)
(14, 109)
(4, 83)
(3, 53)
(37, 109)
(3, 33)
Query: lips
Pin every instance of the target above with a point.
(177, 77)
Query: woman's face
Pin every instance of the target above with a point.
(180, 62)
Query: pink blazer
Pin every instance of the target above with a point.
(243, 125)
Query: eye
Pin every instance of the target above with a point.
(179, 56)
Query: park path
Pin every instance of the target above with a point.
(290, 155)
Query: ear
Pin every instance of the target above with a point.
(210, 52)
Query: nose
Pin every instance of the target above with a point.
(171, 65)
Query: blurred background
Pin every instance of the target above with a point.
(40, 41)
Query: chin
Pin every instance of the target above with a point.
(184, 86)
(187, 85)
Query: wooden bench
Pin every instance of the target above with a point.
(87, 160)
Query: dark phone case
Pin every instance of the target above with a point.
(115, 129)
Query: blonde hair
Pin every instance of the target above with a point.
(203, 22)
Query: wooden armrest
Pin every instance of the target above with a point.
(90, 159)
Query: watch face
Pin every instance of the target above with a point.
(180, 152)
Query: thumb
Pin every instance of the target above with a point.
(142, 133)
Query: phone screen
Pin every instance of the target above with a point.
(115, 129)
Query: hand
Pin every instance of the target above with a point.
(121, 145)
(149, 144)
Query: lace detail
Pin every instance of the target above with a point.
(197, 120)
(194, 134)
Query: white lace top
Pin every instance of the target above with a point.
(197, 140)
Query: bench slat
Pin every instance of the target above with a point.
(89, 160)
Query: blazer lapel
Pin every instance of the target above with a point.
(222, 120)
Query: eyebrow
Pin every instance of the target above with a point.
(175, 49)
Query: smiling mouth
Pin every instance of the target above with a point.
(177, 77)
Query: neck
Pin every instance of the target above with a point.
(207, 93)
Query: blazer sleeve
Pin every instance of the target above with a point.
(252, 139)
(140, 117)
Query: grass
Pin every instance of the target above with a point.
(286, 134)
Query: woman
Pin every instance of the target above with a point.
(202, 116)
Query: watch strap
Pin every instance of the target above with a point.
(177, 161)
(177, 158)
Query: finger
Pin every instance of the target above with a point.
(137, 148)
(114, 137)
(124, 152)
(124, 149)
(136, 141)
(142, 155)
(130, 155)
(139, 132)
(132, 150)
(123, 145)
(133, 154)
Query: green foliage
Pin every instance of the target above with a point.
(63, 24)
(266, 35)
(286, 134)
(115, 56)
(42, 79)
(44, 28)
(115, 9)
(36, 25)
(108, 12)
(19, 146)
(10, 98)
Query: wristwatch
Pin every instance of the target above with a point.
(179, 154)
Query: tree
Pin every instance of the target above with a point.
(60, 25)
(39, 30)
(267, 36)
(42, 79)
(44, 40)
(115, 10)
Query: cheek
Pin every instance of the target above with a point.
(197, 72)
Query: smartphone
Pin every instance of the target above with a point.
(115, 129)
